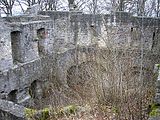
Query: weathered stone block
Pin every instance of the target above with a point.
(11, 111)
(6, 61)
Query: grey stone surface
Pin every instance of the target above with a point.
(154, 118)
(11, 111)
(157, 95)
(52, 43)
(6, 61)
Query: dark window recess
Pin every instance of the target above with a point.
(131, 29)
(41, 33)
(12, 96)
(41, 36)
(153, 40)
(2, 92)
(153, 37)
(16, 47)
(32, 89)
(35, 89)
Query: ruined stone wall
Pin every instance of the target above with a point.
(56, 43)
(28, 52)
(6, 61)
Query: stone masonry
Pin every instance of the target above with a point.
(34, 47)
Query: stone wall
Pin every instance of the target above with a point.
(6, 61)
(28, 64)
(55, 43)
(11, 111)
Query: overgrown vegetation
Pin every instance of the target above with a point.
(110, 82)
(51, 113)
(124, 97)
(113, 81)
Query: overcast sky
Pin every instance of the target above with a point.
(102, 3)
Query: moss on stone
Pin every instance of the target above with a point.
(37, 114)
(45, 114)
(29, 113)
(155, 110)
(115, 110)
(70, 109)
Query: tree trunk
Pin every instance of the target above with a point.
(121, 5)
(94, 6)
(158, 5)
(141, 7)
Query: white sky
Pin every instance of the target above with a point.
(103, 3)
(17, 9)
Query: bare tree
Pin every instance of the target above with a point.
(140, 7)
(136, 7)
(32, 2)
(7, 6)
(50, 5)
(158, 8)
(154, 9)
(54, 5)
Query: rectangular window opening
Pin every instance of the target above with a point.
(15, 44)
(41, 35)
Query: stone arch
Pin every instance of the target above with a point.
(68, 59)
(131, 77)
(35, 90)
(12, 96)
(83, 77)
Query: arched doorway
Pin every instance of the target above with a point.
(86, 78)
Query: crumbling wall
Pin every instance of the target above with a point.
(55, 43)
(6, 61)
(28, 64)
(29, 40)
(11, 111)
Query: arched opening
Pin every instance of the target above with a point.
(134, 77)
(84, 78)
(35, 90)
(12, 96)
